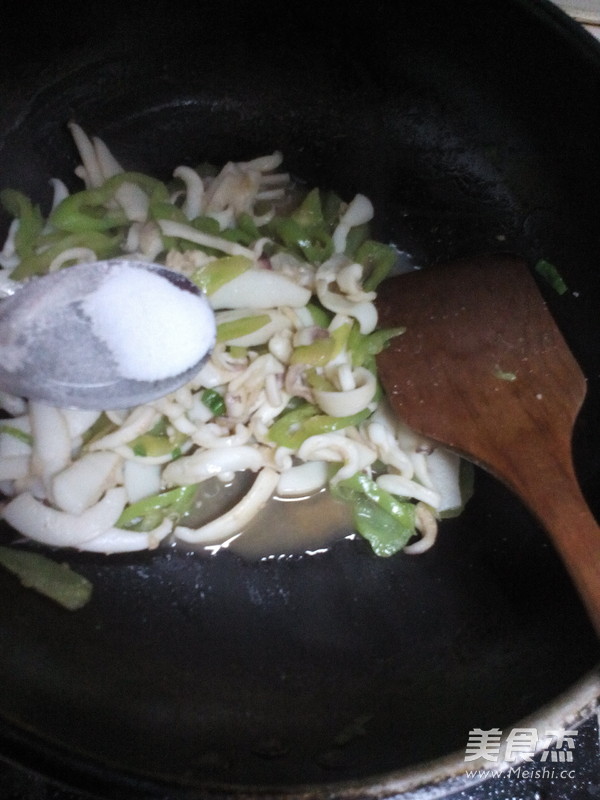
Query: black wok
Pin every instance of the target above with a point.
(473, 127)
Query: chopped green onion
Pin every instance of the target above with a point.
(214, 402)
(551, 275)
(56, 581)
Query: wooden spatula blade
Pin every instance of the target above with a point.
(483, 369)
(483, 351)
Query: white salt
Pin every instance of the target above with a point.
(153, 328)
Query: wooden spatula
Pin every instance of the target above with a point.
(483, 369)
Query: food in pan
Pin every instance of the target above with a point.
(288, 406)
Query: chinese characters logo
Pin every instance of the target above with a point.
(520, 744)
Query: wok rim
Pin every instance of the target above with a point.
(430, 780)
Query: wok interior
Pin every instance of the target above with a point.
(339, 666)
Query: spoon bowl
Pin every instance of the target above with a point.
(109, 334)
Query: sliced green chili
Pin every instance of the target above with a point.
(149, 446)
(103, 245)
(313, 243)
(378, 260)
(322, 351)
(17, 433)
(217, 273)
(332, 205)
(246, 224)
(237, 328)
(30, 219)
(245, 231)
(101, 427)
(287, 430)
(56, 581)
(317, 380)
(363, 347)
(146, 514)
(87, 210)
(294, 427)
(317, 354)
(355, 238)
(157, 442)
(324, 423)
(309, 213)
(320, 316)
(387, 522)
(159, 209)
(207, 225)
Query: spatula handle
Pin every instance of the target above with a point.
(552, 493)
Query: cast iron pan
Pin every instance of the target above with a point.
(473, 127)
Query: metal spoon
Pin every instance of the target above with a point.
(50, 349)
